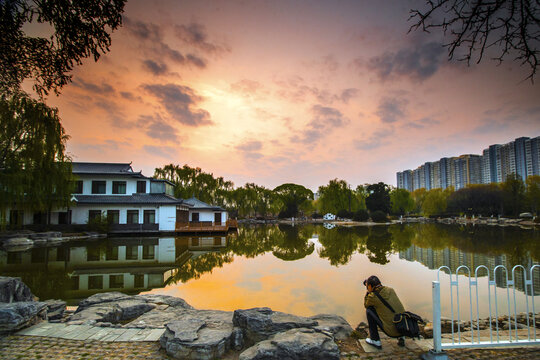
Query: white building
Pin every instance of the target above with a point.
(129, 201)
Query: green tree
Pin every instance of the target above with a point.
(533, 193)
(378, 198)
(435, 202)
(35, 173)
(402, 201)
(419, 195)
(337, 196)
(80, 29)
(476, 199)
(294, 197)
(513, 195)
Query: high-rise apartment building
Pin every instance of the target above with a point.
(520, 157)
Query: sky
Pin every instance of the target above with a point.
(276, 91)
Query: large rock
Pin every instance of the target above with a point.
(333, 324)
(111, 311)
(261, 323)
(295, 344)
(55, 309)
(18, 315)
(13, 290)
(201, 334)
(102, 298)
(165, 300)
(157, 318)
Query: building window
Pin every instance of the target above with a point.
(99, 187)
(62, 254)
(148, 252)
(78, 187)
(40, 218)
(74, 280)
(116, 281)
(118, 187)
(113, 216)
(149, 216)
(133, 216)
(139, 280)
(94, 215)
(141, 187)
(132, 252)
(64, 217)
(95, 282)
(195, 217)
(112, 253)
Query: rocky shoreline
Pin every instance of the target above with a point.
(189, 333)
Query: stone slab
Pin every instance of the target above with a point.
(127, 335)
(83, 335)
(113, 334)
(72, 335)
(100, 334)
(66, 330)
(143, 334)
(154, 335)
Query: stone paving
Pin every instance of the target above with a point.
(87, 332)
(60, 341)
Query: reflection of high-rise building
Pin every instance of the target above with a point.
(454, 258)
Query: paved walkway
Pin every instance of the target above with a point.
(90, 333)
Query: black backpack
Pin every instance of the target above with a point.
(406, 323)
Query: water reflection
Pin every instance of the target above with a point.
(133, 265)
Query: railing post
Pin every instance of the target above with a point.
(436, 353)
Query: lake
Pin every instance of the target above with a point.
(305, 270)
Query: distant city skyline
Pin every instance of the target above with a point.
(520, 157)
(272, 92)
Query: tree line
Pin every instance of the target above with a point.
(375, 201)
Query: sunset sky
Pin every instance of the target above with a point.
(288, 91)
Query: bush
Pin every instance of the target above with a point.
(316, 215)
(378, 216)
(99, 224)
(344, 214)
(361, 215)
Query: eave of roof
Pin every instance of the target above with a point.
(150, 199)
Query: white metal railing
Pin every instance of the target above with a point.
(512, 338)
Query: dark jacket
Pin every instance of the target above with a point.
(384, 313)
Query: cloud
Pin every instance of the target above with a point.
(376, 140)
(155, 68)
(250, 149)
(422, 123)
(391, 109)
(417, 62)
(127, 95)
(151, 37)
(157, 128)
(103, 88)
(324, 120)
(161, 151)
(195, 35)
(295, 89)
(246, 87)
(180, 102)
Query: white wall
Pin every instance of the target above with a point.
(79, 213)
(167, 217)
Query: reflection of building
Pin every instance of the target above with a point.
(453, 258)
(129, 265)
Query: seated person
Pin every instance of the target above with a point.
(378, 314)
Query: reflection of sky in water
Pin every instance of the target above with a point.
(312, 286)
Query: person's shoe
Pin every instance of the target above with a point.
(376, 343)
(401, 341)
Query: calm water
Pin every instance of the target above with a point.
(303, 270)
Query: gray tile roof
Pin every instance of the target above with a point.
(157, 199)
(104, 168)
(198, 204)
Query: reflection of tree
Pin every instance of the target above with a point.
(195, 268)
(402, 236)
(379, 244)
(292, 242)
(252, 240)
(340, 243)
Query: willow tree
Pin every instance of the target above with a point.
(35, 173)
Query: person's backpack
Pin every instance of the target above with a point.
(406, 323)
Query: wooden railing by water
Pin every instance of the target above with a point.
(206, 226)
